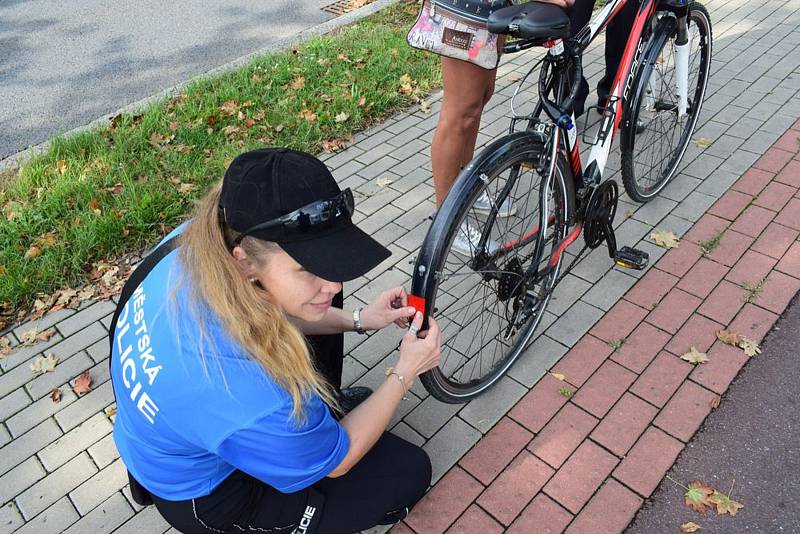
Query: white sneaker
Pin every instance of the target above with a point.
(467, 240)
(484, 206)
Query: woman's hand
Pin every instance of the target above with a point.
(389, 307)
(419, 354)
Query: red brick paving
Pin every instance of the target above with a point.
(584, 464)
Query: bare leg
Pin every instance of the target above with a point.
(467, 89)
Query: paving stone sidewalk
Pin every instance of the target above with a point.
(522, 454)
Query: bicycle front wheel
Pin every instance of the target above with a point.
(654, 133)
(487, 259)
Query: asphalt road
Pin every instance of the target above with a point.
(64, 64)
(753, 438)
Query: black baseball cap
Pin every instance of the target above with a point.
(263, 185)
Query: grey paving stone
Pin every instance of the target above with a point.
(20, 478)
(740, 161)
(694, 206)
(73, 344)
(412, 239)
(28, 444)
(568, 291)
(347, 170)
(126, 492)
(106, 321)
(10, 518)
(13, 402)
(486, 410)
(105, 518)
(537, 360)
(148, 521)
(760, 141)
(387, 280)
(411, 198)
(388, 234)
(345, 156)
(55, 485)
(630, 231)
(674, 224)
(386, 264)
(45, 322)
(700, 167)
(593, 265)
(680, 187)
(55, 519)
(372, 204)
(449, 445)
(725, 146)
(75, 441)
(85, 317)
(416, 215)
(379, 219)
(573, 324)
(85, 407)
(718, 183)
(409, 134)
(104, 451)
(654, 210)
(38, 412)
(609, 289)
(430, 416)
(406, 166)
(64, 372)
(407, 433)
(5, 436)
(379, 345)
(99, 351)
(25, 354)
(98, 488)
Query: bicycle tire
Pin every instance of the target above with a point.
(644, 174)
(431, 280)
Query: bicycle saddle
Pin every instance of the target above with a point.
(533, 20)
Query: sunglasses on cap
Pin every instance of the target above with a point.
(310, 218)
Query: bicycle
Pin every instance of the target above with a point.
(490, 300)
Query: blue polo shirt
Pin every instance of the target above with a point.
(184, 422)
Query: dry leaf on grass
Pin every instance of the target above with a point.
(83, 384)
(341, 117)
(665, 239)
(690, 527)
(5, 346)
(697, 496)
(298, 83)
(55, 395)
(724, 504)
(44, 364)
(32, 336)
(695, 356)
(33, 252)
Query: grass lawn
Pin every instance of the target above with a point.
(115, 190)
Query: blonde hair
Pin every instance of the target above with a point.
(244, 310)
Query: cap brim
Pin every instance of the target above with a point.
(340, 256)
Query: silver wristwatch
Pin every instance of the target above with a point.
(357, 321)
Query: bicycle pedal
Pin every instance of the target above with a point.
(631, 258)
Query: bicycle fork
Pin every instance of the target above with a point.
(682, 64)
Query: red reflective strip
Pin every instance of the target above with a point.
(564, 244)
(627, 58)
(418, 303)
(511, 244)
(576, 160)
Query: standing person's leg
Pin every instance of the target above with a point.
(617, 33)
(579, 15)
(467, 89)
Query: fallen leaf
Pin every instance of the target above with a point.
(695, 356)
(110, 411)
(5, 346)
(394, 52)
(559, 376)
(749, 346)
(690, 527)
(715, 402)
(424, 106)
(341, 117)
(256, 78)
(362, 101)
(83, 384)
(174, 125)
(55, 395)
(32, 336)
(665, 239)
(702, 142)
(724, 504)
(44, 364)
(383, 182)
(229, 107)
(323, 62)
(333, 145)
(33, 252)
(186, 187)
(62, 166)
(697, 496)
(308, 115)
(298, 83)
(729, 337)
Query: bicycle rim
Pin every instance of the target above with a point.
(655, 139)
(483, 329)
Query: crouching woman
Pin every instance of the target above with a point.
(227, 363)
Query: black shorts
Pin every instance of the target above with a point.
(380, 490)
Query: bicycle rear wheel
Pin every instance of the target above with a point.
(653, 137)
(485, 304)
